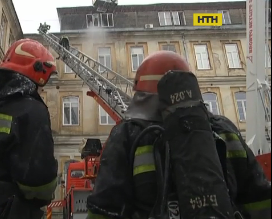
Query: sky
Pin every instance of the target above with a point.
(32, 12)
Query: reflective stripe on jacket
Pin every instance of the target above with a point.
(235, 148)
(259, 210)
(5, 123)
(144, 160)
(44, 192)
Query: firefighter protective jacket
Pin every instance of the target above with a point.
(115, 197)
(26, 144)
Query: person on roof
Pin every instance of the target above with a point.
(28, 169)
(124, 191)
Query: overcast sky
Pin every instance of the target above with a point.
(33, 12)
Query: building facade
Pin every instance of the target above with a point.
(121, 40)
(10, 28)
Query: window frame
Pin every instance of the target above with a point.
(108, 117)
(99, 16)
(197, 60)
(176, 18)
(243, 101)
(70, 107)
(100, 70)
(209, 102)
(168, 45)
(131, 56)
(232, 56)
(107, 14)
(224, 18)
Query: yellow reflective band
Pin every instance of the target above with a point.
(144, 169)
(230, 137)
(234, 146)
(5, 123)
(258, 206)
(44, 192)
(237, 154)
(144, 150)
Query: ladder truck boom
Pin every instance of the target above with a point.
(107, 86)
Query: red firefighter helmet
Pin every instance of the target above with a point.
(154, 67)
(31, 59)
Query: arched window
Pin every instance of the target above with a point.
(211, 101)
(241, 105)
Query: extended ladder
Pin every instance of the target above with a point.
(114, 89)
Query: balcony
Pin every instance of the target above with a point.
(103, 6)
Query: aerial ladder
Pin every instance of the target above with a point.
(258, 131)
(111, 90)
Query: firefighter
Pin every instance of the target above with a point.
(44, 27)
(28, 169)
(125, 191)
(65, 43)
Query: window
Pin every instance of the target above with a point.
(3, 29)
(211, 101)
(137, 57)
(267, 56)
(11, 38)
(107, 20)
(233, 57)
(169, 47)
(105, 119)
(202, 57)
(104, 58)
(241, 105)
(67, 69)
(226, 17)
(70, 111)
(172, 18)
(100, 20)
(77, 173)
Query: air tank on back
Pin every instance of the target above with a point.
(104, 6)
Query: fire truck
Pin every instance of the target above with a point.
(113, 92)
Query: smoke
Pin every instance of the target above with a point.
(98, 34)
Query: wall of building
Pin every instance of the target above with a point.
(10, 29)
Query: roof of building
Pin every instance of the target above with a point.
(74, 18)
(158, 7)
